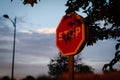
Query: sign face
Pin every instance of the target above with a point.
(70, 34)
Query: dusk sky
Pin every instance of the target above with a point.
(35, 41)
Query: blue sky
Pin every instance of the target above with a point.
(35, 42)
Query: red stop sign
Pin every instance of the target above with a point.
(70, 34)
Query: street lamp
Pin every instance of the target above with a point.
(13, 56)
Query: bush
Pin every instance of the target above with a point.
(5, 78)
(45, 78)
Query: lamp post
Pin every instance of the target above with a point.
(13, 56)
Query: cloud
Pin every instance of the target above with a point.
(46, 30)
(36, 44)
(4, 50)
(25, 31)
(6, 38)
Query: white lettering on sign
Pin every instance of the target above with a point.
(72, 33)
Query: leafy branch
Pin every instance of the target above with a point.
(109, 67)
(31, 2)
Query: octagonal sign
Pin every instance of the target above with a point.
(70, 34)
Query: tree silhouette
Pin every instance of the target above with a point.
(29, 78)
(59, 65)
(43, 77)
(98, 10)
(5, 78)
(31, 2)
(109, 67)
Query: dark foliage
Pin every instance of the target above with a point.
(109, 67)
(31, 2)
(41, 77)
(5, 16)
(5, 78)
(107, 10)
(45, 78)
(59, 65)
(29, 78)
(81, 68)
(98, 10)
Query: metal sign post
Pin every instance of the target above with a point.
(71, 67)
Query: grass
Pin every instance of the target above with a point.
(105, 76)
(77, 76)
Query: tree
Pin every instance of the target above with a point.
(109, 67)
(31, 2)
(5, 78)
(29, 78)
(98, 10)
(59, 65)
